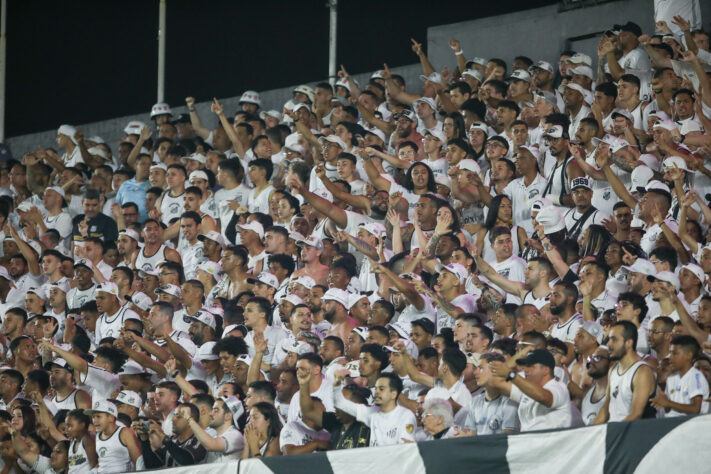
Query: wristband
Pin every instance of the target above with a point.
(175, 374)
(191, 110)
(459, 53)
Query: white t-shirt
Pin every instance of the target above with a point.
(323, 393)
(386, 429)
(683, 388)
(521, 197)
(298, 434)
(234, 444)
(536, 416)
(62, 223)
(492, 416)
(466, 302)
(258, 201)
(101, 382)
(222, 198)
(273, 335)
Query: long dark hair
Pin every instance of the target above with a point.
(272, 416)
(598, 240)
(431, 186)
(493, 213)
(29, 420)
(456, 226)
(460, 128)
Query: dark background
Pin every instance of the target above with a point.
(82, 61)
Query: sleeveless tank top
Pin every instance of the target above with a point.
(621, 393)
(171, 207)
(589, 409)
(69, 403)
(78, 459)
(113, 454)
(144, 262)
(537, 302)
(558, 184)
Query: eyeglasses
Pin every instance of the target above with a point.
(596, 358)
(426, 415)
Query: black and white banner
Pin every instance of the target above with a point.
(648, 446)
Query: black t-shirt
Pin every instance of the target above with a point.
(355, 436)
(101, 226)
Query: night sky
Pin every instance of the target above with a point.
(82, 61)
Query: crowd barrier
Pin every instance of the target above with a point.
(647, 446)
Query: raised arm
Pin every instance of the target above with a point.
(357, 202)
(400, 284)
(602, 156)
(328, 209)
(513, 287)
(195, 121)
(216, 107)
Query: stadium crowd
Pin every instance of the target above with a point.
(500, 248)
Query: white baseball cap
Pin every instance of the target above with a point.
(551, 219)
(254, 226)
(666, 276)
(214, 236)
(337, 295)
(199, 157)
(266, 278)
(520, 75)
(676, 161)
(582, 70)
(305, 281)
(456, 269)
(594, 329)
(434, 77)
(410, 347)
(639, 178)
(353, 298)
(469, 165)
(205, 318)
(211, 268)
(198, 174)
(696, 270)
(312, 241)
(580, 58)
(642, 266)
(102, 406)
(129, 397)
(132, 368)
(333, 139)
(205, 351)
(168, 289)
(108, 287)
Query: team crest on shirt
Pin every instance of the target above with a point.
(616, 392)
(606, 194)
(494, 424)
(533, 193)
(409, 428)
(102, 452)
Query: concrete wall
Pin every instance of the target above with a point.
(539, 33)
(112, 130)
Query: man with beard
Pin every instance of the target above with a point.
(534, 290)
(315, 304)
(202, 327)
(587, 340)
(335, 302)
(584, 214)
(381, 313)
(405, 129)
(222, 440)
(66, 395)
(127, 246)
(631, 384)
(565, 169)
(389, 423)
(563, 299)
(598, 365)
(311, 250)
(154, 251)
